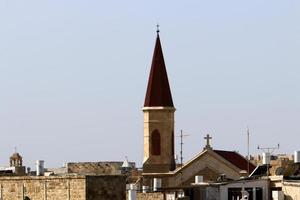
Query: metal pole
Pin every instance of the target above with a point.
(248, 156)
(181, 156)
(181, 153)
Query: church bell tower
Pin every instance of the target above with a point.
(158, 118)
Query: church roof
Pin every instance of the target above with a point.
(235, 159)
(158, 89)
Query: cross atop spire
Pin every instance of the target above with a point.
(208, 138)
(157, 28)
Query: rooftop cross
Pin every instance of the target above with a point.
(207, 141)
(157, 28)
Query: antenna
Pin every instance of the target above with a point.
(248, 156)
(181, 146)
(181, 151)
(269, 151)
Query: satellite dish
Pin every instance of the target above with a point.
(279, 171)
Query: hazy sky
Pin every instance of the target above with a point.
(73, 75)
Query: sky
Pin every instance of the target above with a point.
(73, 76)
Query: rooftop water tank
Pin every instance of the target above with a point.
(297, 156)
(40, 168)
(266, 158)
(132, 192)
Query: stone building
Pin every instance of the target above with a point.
(75, 181)
(159, 126)
(212, 165)
(69, 187)
(16, 160)
(93, 168)
(158, 117)
(15, 166)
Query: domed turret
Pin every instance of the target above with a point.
(16, 160)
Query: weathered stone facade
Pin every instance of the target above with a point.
(108, 168)
(291, 190)
(91, 168)
(207, 164)
(162, 120)
(150, 196)
(105, 188)
(71, 187)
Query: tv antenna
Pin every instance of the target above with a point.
(181, 152)
(181, 145)
(269, 151)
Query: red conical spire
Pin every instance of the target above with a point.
(158, 89)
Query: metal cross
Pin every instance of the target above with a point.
(157, 28)
(207, 141)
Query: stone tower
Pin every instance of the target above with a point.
(158, 118)
(16, 160)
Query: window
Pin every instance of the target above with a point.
(155, 143)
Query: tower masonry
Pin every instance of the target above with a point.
(158, 118)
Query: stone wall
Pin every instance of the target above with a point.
(291, 190)
(108, 168)
(106, 187)
(69, 187)
(150, 196)
(40, 188)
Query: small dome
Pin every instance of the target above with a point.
(16, 156)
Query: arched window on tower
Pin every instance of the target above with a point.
(155, 143)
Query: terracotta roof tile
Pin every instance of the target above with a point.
(236, 159)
